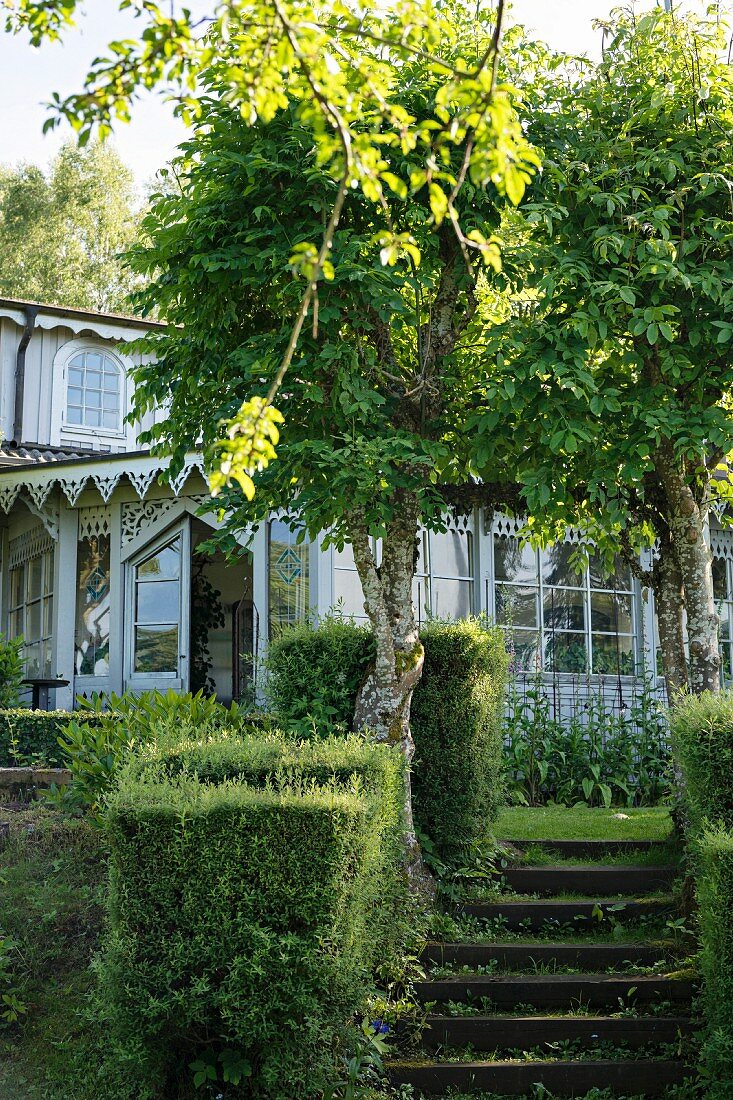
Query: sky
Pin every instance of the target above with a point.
(28, 77)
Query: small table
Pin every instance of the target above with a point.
(41, 687)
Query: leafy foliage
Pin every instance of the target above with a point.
(11, 672)
(29, 737)
(230, 952)
(703, 736)
(61, 235)
(599, 756)
(715, 896)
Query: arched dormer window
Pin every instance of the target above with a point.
(94, 388)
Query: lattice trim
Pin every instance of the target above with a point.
(8, 496)
(31, 544)
(138, 515)
(721, 542)
(94, 521)
(512, 526)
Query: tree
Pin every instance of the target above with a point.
(612, 387)
(61, 236)
(376, 398)
(342, 63)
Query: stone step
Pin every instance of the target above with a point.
(521, 956)
(557, 990)
(532, 915)
(500, 1033)
(590, 849)
(647, 1077)
(589, 879)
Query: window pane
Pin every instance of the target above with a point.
(611, 612)
(47, 616)
(35, 573)
(76, 377)
(93, 418)
(110, 402)
(93, 379)
(17, 595)
(94, 399)
(556, 567)
(156, 649)
(563, 609)
(523, 647)
(112, 381)
(513, 562)
(33, 621)
(16, 623)
(452, 599)
(93, 361)
(613, 655)
(516, 606)
(33, 659)
(289, 586)
(451, 554)
(720, 579)
(73, 416)
(565, 652)
(421, 597)
(725, 621)
(75, 396)
(157, 602)
(726, 661)
(110, 420)
(619, 577)
(92, 606)
(163, 565)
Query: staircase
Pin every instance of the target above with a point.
(574, 985)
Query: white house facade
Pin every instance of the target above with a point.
(103, 577)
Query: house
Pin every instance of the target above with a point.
(103, 577)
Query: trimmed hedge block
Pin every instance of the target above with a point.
(715, 897)
(702, 731)
(245, 918)
(31, 736)
(457, 713)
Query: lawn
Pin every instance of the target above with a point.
(583, 823)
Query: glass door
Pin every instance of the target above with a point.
(157, 611)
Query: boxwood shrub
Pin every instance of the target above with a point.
(456, 712)
(245, 918)
(715, 897)
(31, 736)
(702, 731)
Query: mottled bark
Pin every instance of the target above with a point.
(385, 695)
(687, 518)
(669, 600)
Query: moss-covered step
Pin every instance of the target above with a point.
(533, 915)
(502, 1033)
(648, 1077)
(526, 956)
(590, 849)
(557, 990)
(590, 879)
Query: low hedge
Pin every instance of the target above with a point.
(245, 918)
(31, 736)
(715, 898)
(702, 732)
(456, 712)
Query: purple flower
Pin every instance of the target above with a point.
(379, 1027)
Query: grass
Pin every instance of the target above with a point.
(582, 823)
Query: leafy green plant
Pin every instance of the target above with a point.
(11, 671)
(30, 737)
(702, 728)
(362, 1068)
(598, 755)
(12, 1006)
(715, 896)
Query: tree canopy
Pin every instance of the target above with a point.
(62, 233)
(611, 387)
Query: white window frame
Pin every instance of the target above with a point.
(62, 360)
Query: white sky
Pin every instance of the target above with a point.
(29, 76)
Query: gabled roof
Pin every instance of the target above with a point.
(70, 312)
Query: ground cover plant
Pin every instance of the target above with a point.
(583, 823)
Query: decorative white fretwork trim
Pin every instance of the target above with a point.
(39, 493)
(721, 542)
(180, 479)
(94, 522)
(512, 526)
(138, 515)
(48, 514)
(73, 487)
(142, 481)
(8, 495)
(31, 544)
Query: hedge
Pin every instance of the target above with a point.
(702, 731)
(456, 712)
(457, 722)
(31, 736)
(245, 919)
(715, 898)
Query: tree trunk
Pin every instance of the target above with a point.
(384, 698)
(669, 599)
(687, 519)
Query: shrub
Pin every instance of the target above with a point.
(245, 918)
(457, 725)
(31, 737)
(715, 896)
(11, 672)
(314, 674)
(702, 730)
(456, 712)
